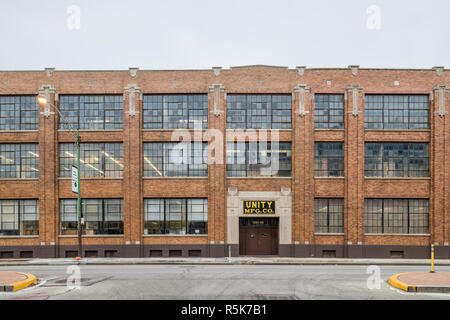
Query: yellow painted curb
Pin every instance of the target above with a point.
(24, 283)
(393, 281)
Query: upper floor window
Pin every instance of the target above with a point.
(259, 111)
(396, 160)
(396, 112)
(102, 216)
(328, 111)
(19, 217)
(173, 159)
(97, 160)
(328, 215)
(396, 215)
(328, 159)
(18, 113)
(19, 160)
(175, 111)
(175, 216)
(258, 160)
(92, 112)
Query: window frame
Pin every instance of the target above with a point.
(81, 99)
(247, 101)
(19, 219)
(102, 203)
(407, 170)
(164, 225)
(19, 150)
(328, 109)
(385, 108)
(329, 213)
(328, 157)
(164, 100)
(20, 108)
(380, 222)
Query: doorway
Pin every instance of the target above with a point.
(258, 236)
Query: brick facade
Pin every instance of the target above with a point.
(133, 188)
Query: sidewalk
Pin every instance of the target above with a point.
(12, 281)
(438, 282)
(222, 261)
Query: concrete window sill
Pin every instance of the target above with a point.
(399, 234)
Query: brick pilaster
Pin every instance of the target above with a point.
(439, 168)
(48, 199)
(217, 219)
(302, 170)
(132, 175)
(354, 164)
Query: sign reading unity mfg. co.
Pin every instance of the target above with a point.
(259, 207)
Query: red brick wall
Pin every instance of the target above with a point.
(255, 79)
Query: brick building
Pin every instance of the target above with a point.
(364, 162)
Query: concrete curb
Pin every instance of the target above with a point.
(12, 287)
(222, 261)
(395, 282)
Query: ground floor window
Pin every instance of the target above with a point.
(175, 216)
(329, 215)
(102, 216)
(396, 216)
(19, 217)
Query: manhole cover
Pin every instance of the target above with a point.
(83, 281)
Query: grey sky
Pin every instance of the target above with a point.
(198, 34)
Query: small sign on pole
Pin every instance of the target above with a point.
(74, 179)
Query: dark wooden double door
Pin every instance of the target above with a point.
(258, 236)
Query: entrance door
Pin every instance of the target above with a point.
(258, 236)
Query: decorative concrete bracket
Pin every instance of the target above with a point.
(133, 71)
(301, 70)
(217, 89)
(131, 90)
(440, 91)
(45, 91)
(301, 89)
(354, 69)
(354, 89)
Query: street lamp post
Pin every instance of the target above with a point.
(43, 101)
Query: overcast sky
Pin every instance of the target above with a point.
(199, 34)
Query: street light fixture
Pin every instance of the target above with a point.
(43, 100)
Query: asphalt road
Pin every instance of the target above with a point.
(222, 282)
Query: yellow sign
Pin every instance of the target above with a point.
(259, 207)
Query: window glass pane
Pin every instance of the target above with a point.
(91, 112)
(175, 111)
(396, 112)
(18, 113)
(258, 111)
(329, 111)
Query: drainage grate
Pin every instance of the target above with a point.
(84, 282)
(275, 297)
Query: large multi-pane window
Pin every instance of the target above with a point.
(328, 159)
(259, 111)
(329, 111)
(175, 216)
(396, 112)
(258, 159)
(19, 217)
(396, 216)
(92, 112)
(19, 160)
(18, 113)
(172, 159)
(101, 216)
(396, 160)
(175, 111)
(97, 160)
(329, 215)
